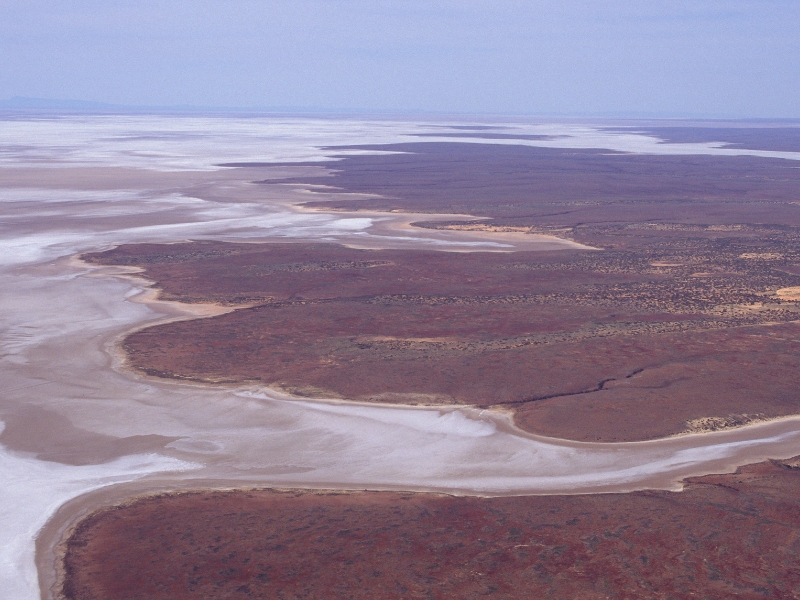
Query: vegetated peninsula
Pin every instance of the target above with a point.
(685, 320)
(724, 536)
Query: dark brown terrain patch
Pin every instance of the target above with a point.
(676, 323)
(548, 187)
(778, 139)
(585, 345)
(724, 536)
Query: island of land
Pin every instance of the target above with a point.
(678, 314)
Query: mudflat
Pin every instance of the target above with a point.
(723, 536)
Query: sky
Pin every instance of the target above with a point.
(668, 58)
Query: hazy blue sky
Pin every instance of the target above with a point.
(667, 58)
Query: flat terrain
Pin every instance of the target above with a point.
(724, 536)
(755, 138)
(685, 320)
(569, 188)
(599, 346)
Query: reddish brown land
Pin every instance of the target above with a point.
(724, 536)
(582, 345)
(785, 139)
(675, 325)
(569, 188)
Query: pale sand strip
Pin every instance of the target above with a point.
(789, 293)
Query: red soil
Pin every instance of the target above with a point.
(724, 536)
(583, 345)
(567, 187)
(675, 320)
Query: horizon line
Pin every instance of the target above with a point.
(62, 106)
